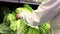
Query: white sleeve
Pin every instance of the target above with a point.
(45, 12)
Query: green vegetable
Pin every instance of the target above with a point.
(9, 18)
(33, 30)
(46, 27)
(26, 8)
(13, 25)
(5, 30)
(17, 10)
(42, 31)
(22, 27)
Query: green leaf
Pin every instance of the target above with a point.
(13, 26)
(22, 28)
(9, 18)
(42, 31)
(33, 30)
(27, 7)
(46, 27)
(5, 30)
(17, 10)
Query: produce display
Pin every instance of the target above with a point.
(13, 25)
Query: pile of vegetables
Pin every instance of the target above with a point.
(12, 25)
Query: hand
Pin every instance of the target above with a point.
(18, 14)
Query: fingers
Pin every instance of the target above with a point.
(18, 15)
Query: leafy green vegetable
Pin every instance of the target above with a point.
(13, 25)
(27, 7)
(33, 30)
(46, 27)
(9, 18)
(42, 31)
(5, 30)
(22, 28)
(17, 10)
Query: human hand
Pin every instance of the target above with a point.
(18, 14)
